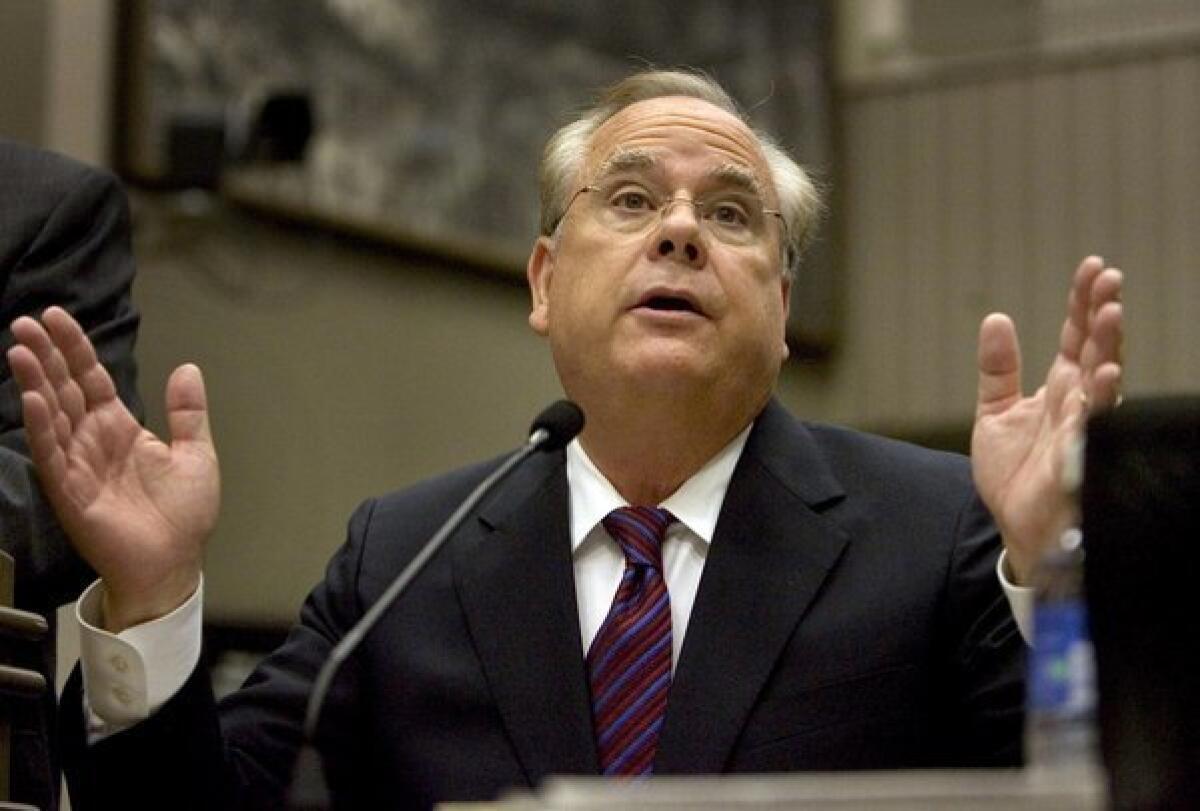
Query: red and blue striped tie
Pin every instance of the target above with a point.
(629, 662)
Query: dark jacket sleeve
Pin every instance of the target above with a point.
(986, 654)
(64, 240)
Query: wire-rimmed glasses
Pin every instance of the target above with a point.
(733, 217)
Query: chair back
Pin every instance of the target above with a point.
(20, 631)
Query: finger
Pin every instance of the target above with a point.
(52, 367)
(87, 374)
(1104, 339)
(1105, 389)
(71, 400)
(1075, 327)
(187, 406)
(1106, 299)
(30, 373)
(1107, 287)
(1067, 462)
(26, 368)
(44, 447)
(999, 361)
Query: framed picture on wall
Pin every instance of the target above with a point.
(423, 120)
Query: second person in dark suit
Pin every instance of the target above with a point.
(64, 241)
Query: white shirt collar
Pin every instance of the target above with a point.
(696, 504)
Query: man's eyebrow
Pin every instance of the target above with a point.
(633, 159)
(737, 176)
(626, 160)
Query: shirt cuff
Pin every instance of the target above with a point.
(1020, 598)
(127, 677)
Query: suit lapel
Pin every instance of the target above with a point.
(517, 588)
(770, 554)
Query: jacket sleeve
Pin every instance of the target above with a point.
(986, 653)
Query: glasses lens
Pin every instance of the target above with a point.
(623, 207)
(734, 219)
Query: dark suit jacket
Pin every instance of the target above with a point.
(64, 239)
(849, 616)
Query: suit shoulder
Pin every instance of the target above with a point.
(857, 455)
(421, 507)
(52, 204)
(842, 437)
(37, 171)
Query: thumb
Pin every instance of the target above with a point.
(187, 406)
(999, 362)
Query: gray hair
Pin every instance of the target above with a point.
(799, 199)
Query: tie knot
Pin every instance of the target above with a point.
(639, 531)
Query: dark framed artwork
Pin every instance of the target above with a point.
(428, 116)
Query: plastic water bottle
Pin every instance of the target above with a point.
(1060, 720)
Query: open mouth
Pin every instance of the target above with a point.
(669, 301)
(669, 304)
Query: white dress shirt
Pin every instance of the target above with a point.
(598, 559)
(128, 676)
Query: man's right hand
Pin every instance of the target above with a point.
(137, 509)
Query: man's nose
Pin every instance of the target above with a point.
(678, 235)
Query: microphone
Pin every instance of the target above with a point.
(558, 424)
(551, 430)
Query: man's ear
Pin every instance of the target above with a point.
(538, 273)
(785, 288)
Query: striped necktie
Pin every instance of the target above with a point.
(629, 662)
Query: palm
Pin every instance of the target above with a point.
(137, 506)
(1020, 444)
(1018, 454)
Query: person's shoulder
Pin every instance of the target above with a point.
(843, 439)
(34, 174)
(26, 161)
(393, 526)
(452, 485)
(422, 507)
(780, 432)
(866, 461)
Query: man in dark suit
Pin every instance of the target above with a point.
(64, 241)
(781, 595)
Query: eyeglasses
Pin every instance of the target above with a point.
(733, 218)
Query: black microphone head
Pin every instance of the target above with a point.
(561, 421)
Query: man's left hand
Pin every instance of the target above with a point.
(1020, 444)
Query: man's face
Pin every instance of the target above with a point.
(674, 298)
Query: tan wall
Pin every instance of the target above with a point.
(55, 88)
(78, 82)
(23, 34)
(334, 374)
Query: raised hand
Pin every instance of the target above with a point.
(137, 509)
(1020, 444)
